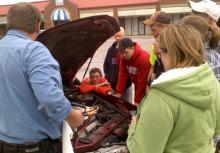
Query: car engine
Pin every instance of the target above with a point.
(106, 129)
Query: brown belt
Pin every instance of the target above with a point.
(47, 146)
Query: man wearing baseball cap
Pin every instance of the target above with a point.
(208, 7)
(210, 11)
(159, 19)
(157, 22)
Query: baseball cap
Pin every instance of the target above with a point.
(158, 16)
(206, 6)
(125, 43)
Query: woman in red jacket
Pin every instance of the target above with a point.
(95, 82)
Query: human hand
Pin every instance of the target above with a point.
(153, 76)
(117, 95)
(75, 118)
(133, 121)
(102, 84)
(135, 104)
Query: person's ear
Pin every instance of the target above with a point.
(163, 26)
(210, 20)
(132, 48)
(212, 23)
(38, 28)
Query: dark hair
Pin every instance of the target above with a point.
(23, 16)
(125, 43)
(213, 43)
(95, 70)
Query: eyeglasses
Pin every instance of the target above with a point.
(164, 50)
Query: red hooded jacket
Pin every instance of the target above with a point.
(137, 68)
(86, 87)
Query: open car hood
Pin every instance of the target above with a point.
(72, 43)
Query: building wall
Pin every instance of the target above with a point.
(2, 30)
(179, 1)
(133, 25)
(71, 7)
(174, 1)
(129, 16)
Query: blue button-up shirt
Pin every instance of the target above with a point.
(32, 102)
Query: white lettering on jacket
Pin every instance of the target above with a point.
(132, 70)
(114, 61)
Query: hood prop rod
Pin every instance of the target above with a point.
(87, 67)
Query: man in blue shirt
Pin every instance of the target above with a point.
(32, 106)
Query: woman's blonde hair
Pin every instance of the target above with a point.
(183, 44)
(203, 27)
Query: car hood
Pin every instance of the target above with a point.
(72, 43)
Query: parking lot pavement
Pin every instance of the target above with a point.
(99, 57)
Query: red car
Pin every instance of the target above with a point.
(72, 44)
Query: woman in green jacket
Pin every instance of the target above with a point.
(181, 113)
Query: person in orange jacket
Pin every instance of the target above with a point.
(95, 82)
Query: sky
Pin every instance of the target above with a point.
(7, 2)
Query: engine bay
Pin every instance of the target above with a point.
(106, 127)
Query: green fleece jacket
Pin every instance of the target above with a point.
(179, 115)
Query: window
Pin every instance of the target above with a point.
(58, 2)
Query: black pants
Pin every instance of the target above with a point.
(44, 146)
(217, 147)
